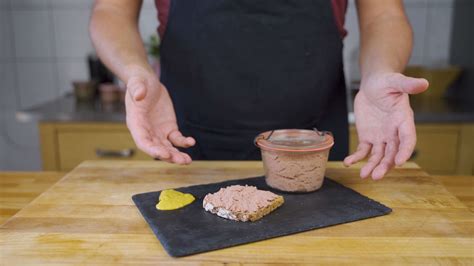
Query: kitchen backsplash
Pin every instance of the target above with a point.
(43, 47)
(431, 21)
(44, 43)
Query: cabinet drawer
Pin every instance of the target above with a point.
(436, 148)
(75, 147)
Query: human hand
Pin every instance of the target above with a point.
(385, 122)
(151, 118)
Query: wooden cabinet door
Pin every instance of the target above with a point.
(436, 149)
(75, 147)
(65, 145)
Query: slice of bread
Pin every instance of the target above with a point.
(242, 203)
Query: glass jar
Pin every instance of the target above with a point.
(295, 159)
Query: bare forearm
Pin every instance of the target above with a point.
(114, 32)
(386, 37)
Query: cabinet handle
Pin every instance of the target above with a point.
(125, 153)
(414, 155)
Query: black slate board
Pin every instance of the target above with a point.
(192, 230)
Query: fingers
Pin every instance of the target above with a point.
(380, 162)
(407, 136)
(409, 85)
(362, 151)
(144, 142)
(177, 139)
(387, 162)
(180, 157)
(156, 146)
(137, 89)
(177, 156)
(153, 146)
(378, 151)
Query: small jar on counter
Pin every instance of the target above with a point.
(109, 92)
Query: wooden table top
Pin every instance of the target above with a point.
(88, 217)
(17, 189)
(460, 186)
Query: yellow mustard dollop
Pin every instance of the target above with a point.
(171, 199)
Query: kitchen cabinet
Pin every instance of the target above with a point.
(65, 145)
(441, 148)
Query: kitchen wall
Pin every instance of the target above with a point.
(431, 21)
(43, 44)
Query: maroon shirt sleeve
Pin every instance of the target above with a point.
(163, 7)
(338, 7)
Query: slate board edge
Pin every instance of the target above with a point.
(296, 231)
(381, 208)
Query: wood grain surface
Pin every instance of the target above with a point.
(17, 189)
(88, 217)
(460, 186)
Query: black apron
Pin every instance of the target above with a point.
(235, 68)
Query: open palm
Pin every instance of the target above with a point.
(152, 121)
(384, 122)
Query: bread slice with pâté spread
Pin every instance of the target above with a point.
(242, 203)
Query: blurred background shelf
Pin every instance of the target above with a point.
(72, 131)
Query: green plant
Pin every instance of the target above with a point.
(153, 46)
